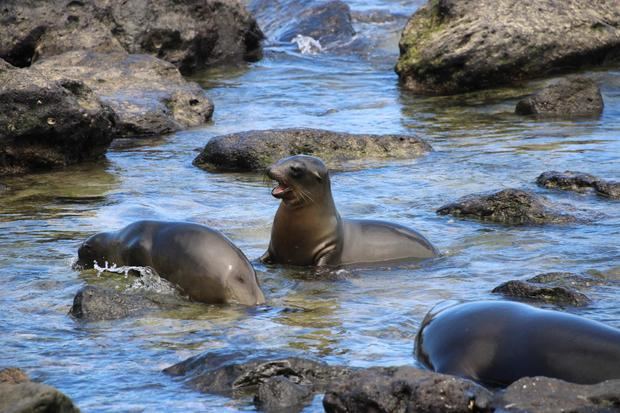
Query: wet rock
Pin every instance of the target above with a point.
(190, 34)
(328, 22)
(19, 395)
(547, 395)
(541, 292)
(149, 95)
(255, 150)
(567, 279)
(279, 394)
(568, 180)
(573, 96)
(275, 383)
(405, 389)
(455, 46)
(49, 123)
(96, 303)
(608, 189)
(509, 206)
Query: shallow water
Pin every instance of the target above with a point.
(368, 318)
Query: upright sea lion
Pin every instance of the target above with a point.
(201, 261)
(499, 342)
(308, 230)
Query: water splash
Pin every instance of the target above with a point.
(148, 279)
(307, 44)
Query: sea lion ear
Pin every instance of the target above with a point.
(318, 175)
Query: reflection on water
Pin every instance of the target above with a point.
(366, 317)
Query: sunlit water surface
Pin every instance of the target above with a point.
(368, 318)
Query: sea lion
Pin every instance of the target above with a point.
(498, 342)
(201, 261)
(308, 230)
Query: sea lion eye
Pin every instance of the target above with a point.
(296, 170)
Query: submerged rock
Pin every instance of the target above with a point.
(579, 181)
(567, 180)
(96, 303)
(275, 383)
(529, 290)
(149, 95)
(509, 206)
(405, 389)
(455, 46)
(49, 123)
(547, 395)
(327, 22)
(19, 395)
(573, 96)
(255, 150)
(190, 34)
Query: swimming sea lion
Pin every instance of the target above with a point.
(499, 342)
(205, 264)
(307, 229)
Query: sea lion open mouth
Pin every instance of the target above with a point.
(281, 190)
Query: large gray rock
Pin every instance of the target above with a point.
(49, 123)
(19, 395)
(255, 150)
(509, 206)
(451, 46)
(149, 95)
(190, 34)
(546, 395)
(97, 303)
(579, 181)
(407, 390)
(573, 96)
(280, 394)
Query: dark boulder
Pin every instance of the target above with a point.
(608, 189)
(453, 46)
(49, 123)
(567, 180)
(567, 279)
(255, 150)
(328, 22)
(19, 395)
(190, 34)
(280, 394)
(405, 389)
(541, 292)
(547, 395)
(509, 206)
(96, 303)
(149, 95)
(573, 96)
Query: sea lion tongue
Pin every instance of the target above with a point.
(280, 190)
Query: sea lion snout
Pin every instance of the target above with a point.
(297, 176)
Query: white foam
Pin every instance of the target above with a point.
(148, 280)
(307, 44)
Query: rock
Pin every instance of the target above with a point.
(328, 22)
(405, 389)
(574, 96)
(453, 46)
(13, 375)
(281, 394)
(149, 95)
(608, 189)
(97, 303)
(579, 181)
(547, 395)
(19, 395)
(541, 292)
(255, 150)
(568, 180)
(49, 123)
(509, 206)
(276, 383)
(567, 279)
(190, 34)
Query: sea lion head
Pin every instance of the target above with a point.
(302, 179)
(94, 249)
(242, 286)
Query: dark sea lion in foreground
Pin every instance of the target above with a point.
(498, 342)
(201, 261)
(308, 230)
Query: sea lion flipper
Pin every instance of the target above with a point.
(266, 258)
